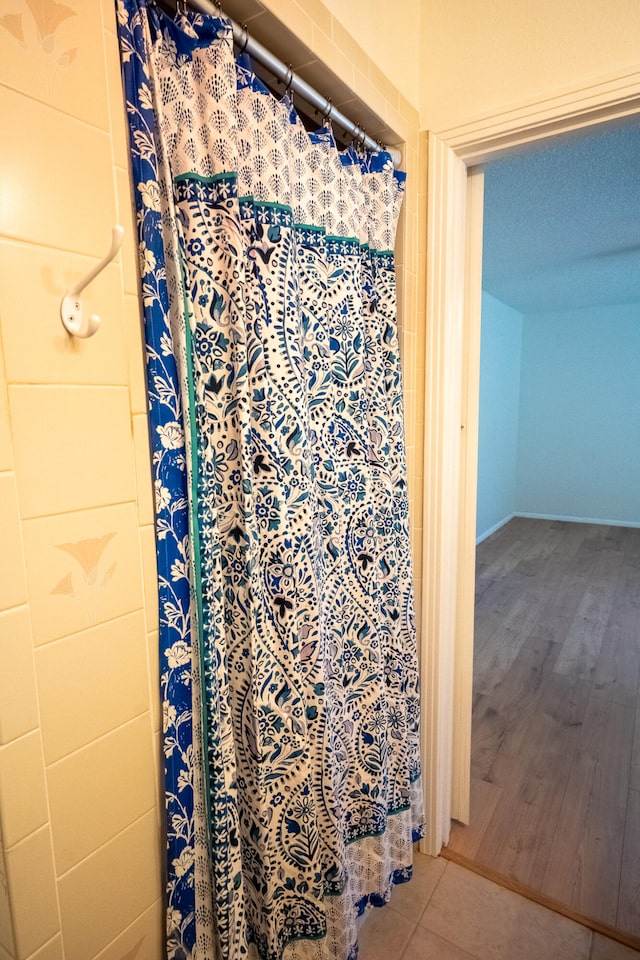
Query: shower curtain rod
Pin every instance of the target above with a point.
(293, 81)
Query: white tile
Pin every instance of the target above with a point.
(99, 790)
(23, 790)
(12, 579)
(136, 354)
(384, 934)
(127, 217)
(491, 922)
(91, 683)
(71, 155)
(144, 483)
(425, 945)
(55, 54)
(72, 447)
(52, 950)
(142, 940)
(153, 645)
(32, 890)
(41, 351)
(411, 898)
(117, 108)
(113, 887)
(18, 697)
(6, 454)
(149, 576)
(6, 924)
(82, 568)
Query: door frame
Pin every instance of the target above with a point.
(452, 362)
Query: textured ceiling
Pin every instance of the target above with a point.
(562, 224)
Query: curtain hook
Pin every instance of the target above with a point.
(328, 110)
(288, 80)
(245, 37)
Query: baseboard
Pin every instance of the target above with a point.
(550, 516)
(496, 526)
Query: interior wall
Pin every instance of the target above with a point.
(79, 717)
(79, 720)
(579, 438)
(480, 59)
(500, 357)
(391, 41)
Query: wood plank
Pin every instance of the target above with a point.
(503, 562)
(565, 836)
(618, 665)
(466, 839)
(583, 642)
(628, 916)
(617, 673)
(520, 835)
(569, 543)
(494, 658)
(585, 861)
(501, 720)
(634, 779)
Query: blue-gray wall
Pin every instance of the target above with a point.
(579, 437)
(559, 431)
(501, 336)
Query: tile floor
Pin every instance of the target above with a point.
(449, 913)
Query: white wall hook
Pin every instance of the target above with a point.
(71, 306)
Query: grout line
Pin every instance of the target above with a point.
(56, 109)
(106, 843)
(128, 927)
(71, 251)
(101, 736)
(47, 943)
(20, 384)
(58, 514)
(91, 626)
(410, 938)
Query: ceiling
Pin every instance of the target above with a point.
(562, 224)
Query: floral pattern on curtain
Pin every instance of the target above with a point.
(288, 661)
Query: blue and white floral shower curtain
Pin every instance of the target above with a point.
(288, 660)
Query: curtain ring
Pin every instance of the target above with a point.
(288, 80)
(245, 37)
(326, 116)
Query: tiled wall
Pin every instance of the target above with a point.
(78, 758)
(80, 876)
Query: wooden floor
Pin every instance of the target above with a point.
(556, 716)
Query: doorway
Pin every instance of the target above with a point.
(454, 225)
(556, 654)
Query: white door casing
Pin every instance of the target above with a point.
(454, 280)
(446, 232)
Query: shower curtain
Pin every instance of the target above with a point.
(288, 662)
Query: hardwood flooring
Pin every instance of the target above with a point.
(555, 800)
